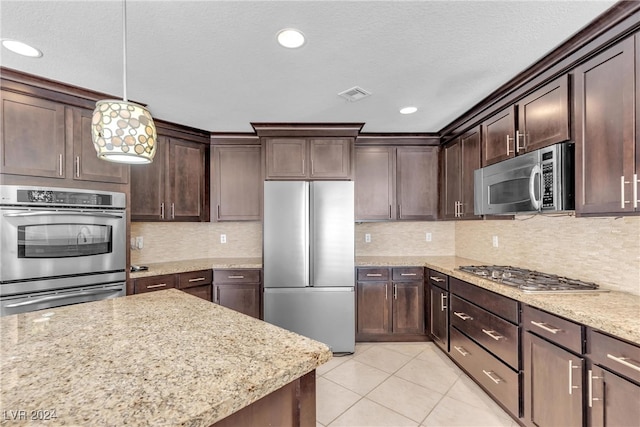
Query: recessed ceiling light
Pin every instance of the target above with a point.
(408, 110)
(21, 48)
(290, 38)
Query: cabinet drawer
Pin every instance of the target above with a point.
(154, 283)
(495, 334)
(377, 274)
(236, 276)
(553, 328)
(194, 278)
(496, 377)
(615, 355)
(497, 304)
(407, 273)
(438, 279)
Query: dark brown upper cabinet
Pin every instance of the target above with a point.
(538, 120)
(237, 183)
(607, 150)
(173, 187)
(396, 183)
(460, 158)
(43, 138)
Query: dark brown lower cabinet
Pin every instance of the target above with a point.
(438, 286)
(239, 289)
(373, 308)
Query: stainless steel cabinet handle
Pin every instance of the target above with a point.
(386, 294)
(218, 217)
(236, 277)
(399, 211)
(622, 200)
(571, 368)
(197, 279)
(374, 275)
(159, 285)
(162, 210)
(395, 291)
(436, 279)
(546, 327)
(518, 147)
(408, 274)
(443, 298)
(624, 361)
(493, 334)
(591, 398)
(463, 316)
(60, 164)
(173, 211)
(389, 211)
(636, 196)
(492, 376)
(77, 166)
(508, 150)
(461, 350)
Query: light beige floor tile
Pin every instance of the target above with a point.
(366, 413)
(409, 399)
(332, 363)
(383, 359)
(363, 346)
(435, 376)
(465, 390)
(453, 413)
(318, 424)
(438, 357)
(408, 348)
(357, 377)
(332, 400)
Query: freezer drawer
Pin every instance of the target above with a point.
(323, 314)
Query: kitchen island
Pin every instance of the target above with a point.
(160, 358)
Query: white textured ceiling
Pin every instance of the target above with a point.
(216, 66)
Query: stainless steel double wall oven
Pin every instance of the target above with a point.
(60, 246)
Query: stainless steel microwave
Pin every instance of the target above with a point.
(540, 181)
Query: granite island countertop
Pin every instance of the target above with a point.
(617, 313)
(159, 358)
(172, 267)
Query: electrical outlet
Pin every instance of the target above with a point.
(367, 238)
(428, 237)
(223, 238)
(139, 242)
(132, 242)
(495, 241)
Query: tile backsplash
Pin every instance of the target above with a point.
(601, 250)
(405, 238)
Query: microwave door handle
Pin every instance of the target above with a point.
(532, 184)
(58, 213)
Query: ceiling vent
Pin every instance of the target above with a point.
(354, 94)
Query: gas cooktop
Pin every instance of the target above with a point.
(530, 281)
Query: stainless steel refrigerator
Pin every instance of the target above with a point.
(309, 260)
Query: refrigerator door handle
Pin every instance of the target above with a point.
(308, 210)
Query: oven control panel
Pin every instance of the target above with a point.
(64, 197)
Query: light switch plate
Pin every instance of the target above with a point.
(367, 238)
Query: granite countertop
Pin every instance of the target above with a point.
(159, 358)
(172, 267)
(617, 313)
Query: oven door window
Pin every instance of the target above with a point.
(64, 240)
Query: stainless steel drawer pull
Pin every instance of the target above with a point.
(443, 305)
(395, 291)
(408, 274)
(492, 376)
(374, 275)
(461, 350)
(436, 279)
(159, 285)
(546, 327)
(386, 294)
(463, 316)
(77, 166)
(624, 361)
(60, 164)
(571, 368)
(236, 277)
(493, 334)
(197, 279)
(591, 398)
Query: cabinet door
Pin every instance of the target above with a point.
(32, 136)
(148, 183)
(543, 116)
(604, 127)
(553, 384)
(87, 165)
(241, 297)
(498, 132)
(438, 312)
(373, 308)
(286, 158)
(374, 183)
(408, 308)
(452, 185)
(417, 182)
(237, 183)
(615, 400)
(330, 158)
(203, 291)
(470, 161)
(187, 181)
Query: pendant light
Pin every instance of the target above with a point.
(123, 131)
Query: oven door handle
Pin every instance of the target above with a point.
(532, 182)
(58, 213)
(61, 297)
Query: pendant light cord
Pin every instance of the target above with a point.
(124, 50)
